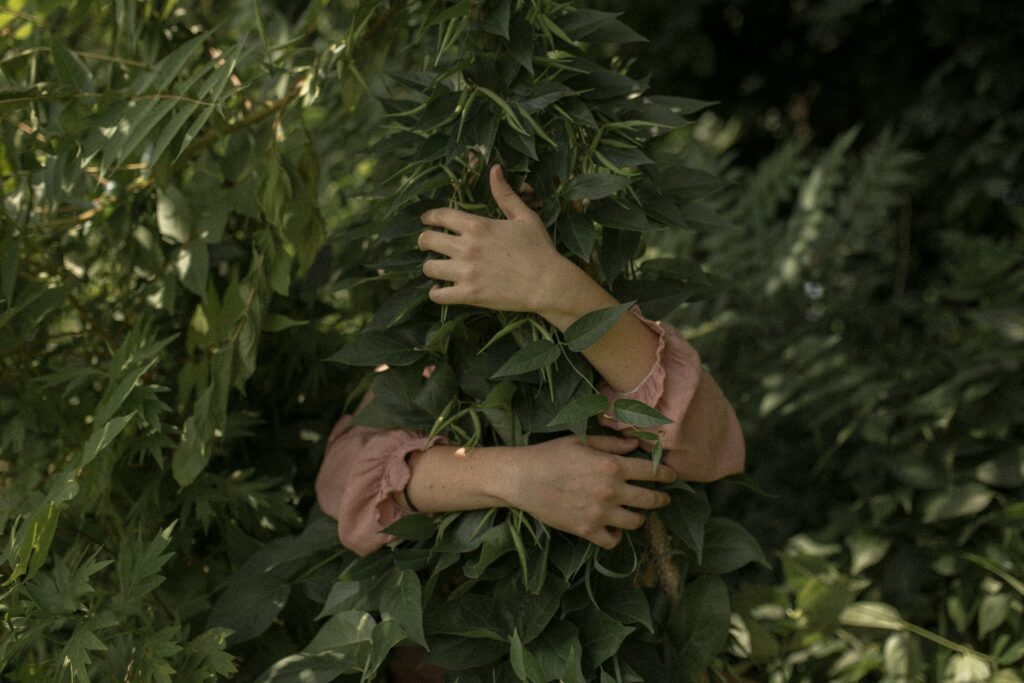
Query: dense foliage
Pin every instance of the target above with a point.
(205, 201)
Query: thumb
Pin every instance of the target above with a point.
(510, 203)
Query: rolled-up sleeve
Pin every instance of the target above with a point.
(361, 468)
(704, 442)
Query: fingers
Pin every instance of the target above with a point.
(441, 269)
(626, 519)
(606, 538)
(453, 219)
(641, 470)
(432, 240)
(619, 445)
(456, 294)
(510, 203)
(645, 499)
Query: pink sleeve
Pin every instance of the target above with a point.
(704, 442)
(362, 467)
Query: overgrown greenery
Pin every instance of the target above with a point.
(204, 201)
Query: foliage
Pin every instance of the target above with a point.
(198, 203)
(883, 391)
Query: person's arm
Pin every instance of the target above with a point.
(513, 265)
(581, 489)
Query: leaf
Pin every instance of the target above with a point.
(580, 408)
(412, 528)
(625, 602)
(577, 232)
(1004, 471)
(601, 636)
(872, 615)
(534, 356)
(70, 69)
(699, 625)
(594, 186)
(440, 388)
(471, 615)
(957, 501)
(992, 612)
(173, 214)
(728, 546)
(342, 630)
(370, 349)
(76, 652)
(401, 601)
(524, 664)
(278, 323)
(638, 414)
(116, 394)
(496, 17)
(595, 26)
(102, 437)
(592, 326)
(866, 550)
(686, 516)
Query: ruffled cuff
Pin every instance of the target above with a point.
(361, 470)
(667, 387)
(395, 477)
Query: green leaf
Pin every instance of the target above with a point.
(524, 664)
(534, 356)
(578, 234)
(116, 394)
(866, 550)
(76, 656)
(728, 546)
(872, 615)
(173, 214)
(992, 612)
(600, 635)
(592, 326)
(412, 528)
(370, 349)
(103, 436)
(1004, 471)
(594, 186)
(277, 322)
(957, 501)
(402, 601)
(596, 26)
(70, 69)
(638, 414)
(342, 630)
(470, 616)
(699, 626)
(623, 601)
(496, 17)
(686, 516)
(580, 408)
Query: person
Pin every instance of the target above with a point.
(369, 477)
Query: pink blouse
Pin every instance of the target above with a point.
(363, 466)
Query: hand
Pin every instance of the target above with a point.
(504, 265)
(584, 489)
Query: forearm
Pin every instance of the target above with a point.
(444, 479)
(626, 353)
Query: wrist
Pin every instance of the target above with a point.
(569, 292)
(502, 480)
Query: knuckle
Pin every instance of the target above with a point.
(609, 466)
(604, 492)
